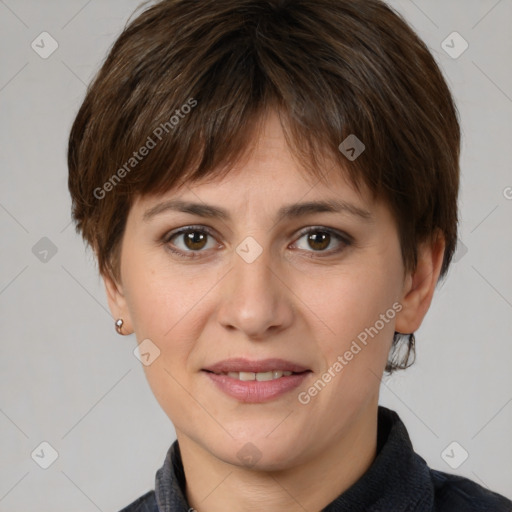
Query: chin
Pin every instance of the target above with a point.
(257, 452)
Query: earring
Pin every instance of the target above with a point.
(119, 325)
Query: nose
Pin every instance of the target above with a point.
(256, 298)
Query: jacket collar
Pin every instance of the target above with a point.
(398, 477)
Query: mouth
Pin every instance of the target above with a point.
(241, 365)
(256, 381)
(259, 376)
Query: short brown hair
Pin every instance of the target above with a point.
(330, 68)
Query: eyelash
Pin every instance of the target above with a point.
(343, 238)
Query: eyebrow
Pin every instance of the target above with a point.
(290, 211)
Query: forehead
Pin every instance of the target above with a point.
(268, 172)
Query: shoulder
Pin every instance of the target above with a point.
(454, 492)
(146, 503)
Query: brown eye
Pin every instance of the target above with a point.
(190, 241)
(323, 241)
(194, 240)
(319, 240)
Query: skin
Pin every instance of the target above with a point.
(299, 301)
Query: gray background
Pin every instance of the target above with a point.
(68, 379)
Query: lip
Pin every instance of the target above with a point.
(264, 365)
(256, 391)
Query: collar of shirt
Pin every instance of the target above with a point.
(398, 477)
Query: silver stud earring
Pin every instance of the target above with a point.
(119, 325)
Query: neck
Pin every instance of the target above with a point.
(214, 485)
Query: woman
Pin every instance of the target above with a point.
(271, 188)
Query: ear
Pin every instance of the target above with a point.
(117, 302)
(419, 285)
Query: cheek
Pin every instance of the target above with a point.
(166, 308)
(158, 297)
(171, 308)
(359, 310)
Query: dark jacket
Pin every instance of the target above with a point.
(398, 480)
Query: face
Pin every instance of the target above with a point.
(273, 321)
